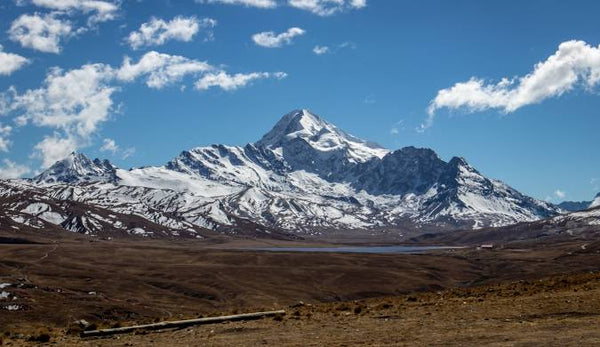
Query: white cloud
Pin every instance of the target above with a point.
(249, 3)
(12, 170)
(42, 33)
(327, 7)
(128, 152)
(10, 62)
(5, 143)
(319, 50)
(574, 63)
(560, 194)
(271, 40)
(397, 127)
(54, 148)
(233, 82)
(161, 69)
(358, 3)
(102, 10)
(158, 31)
(75, 102)
(109, 145)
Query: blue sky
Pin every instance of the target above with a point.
(389, 67)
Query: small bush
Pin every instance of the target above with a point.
(42, 335)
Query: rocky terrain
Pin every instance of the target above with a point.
(305, 177)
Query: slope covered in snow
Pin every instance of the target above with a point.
(77, 168)
(305, 175)
(596, 202)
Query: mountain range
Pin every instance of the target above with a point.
(305, 176)
(580, 205)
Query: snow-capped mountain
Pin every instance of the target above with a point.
(304, 176)
(76, 169)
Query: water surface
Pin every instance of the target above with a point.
(355, 249)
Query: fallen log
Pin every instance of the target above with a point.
(182, 323)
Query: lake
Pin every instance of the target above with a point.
(355, 249)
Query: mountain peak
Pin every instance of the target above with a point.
(321, 135)
(78, 168)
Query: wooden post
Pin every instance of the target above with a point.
(182, 323)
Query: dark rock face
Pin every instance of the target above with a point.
(573, 206)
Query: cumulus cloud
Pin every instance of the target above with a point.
(271, 40)
(10, 62)
(161, 69)
(574, 64)
(12, 170)
(42, 33)
(319, 50)
(158, 31)
(54, 148)
(560, 194)
(248, 3)
(75, 102)
(101, 10)
(109, 145)
(327, 7)
(233, 82)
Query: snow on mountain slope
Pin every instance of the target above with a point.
(305, 175)
(322, 136)
(77, 168)
(596, 202)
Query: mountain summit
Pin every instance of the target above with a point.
(305, 175)
(302, 126)
(78, 168)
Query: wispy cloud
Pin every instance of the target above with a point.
(100, 10)
(320, 50)
(319, 7)
(595, 183)
(560, 194)
(270, 39)
(397, 127)
(5, 131)
(233, 82)
(161, 69)
(109, 145)
(248, 3)
(158, 31)
(327, 7)
(128, 152)
(574, 63)
(10, 169)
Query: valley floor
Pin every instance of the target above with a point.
(526, 293)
